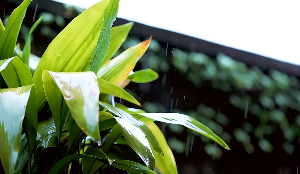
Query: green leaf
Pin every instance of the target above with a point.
(55, 100)
(17, 74)
(184, 120)
(1, 29)
(5, 63)
(110, 15)
(165, 164)
(118, 36)
(143, 76)
(131, 166)
(81, 94)
(46, 134)
(68, 52)
(26, 50)
(117, 69)
(109, 88)
(129, 110)
(134, 133)
(11, 32)
(23, 154)
(13, 103)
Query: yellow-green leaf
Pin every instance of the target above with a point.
(118, 36)
(13, 102)
(68, 52)
(17, 74)
(1, 29)
(143, 76)
(117, 69)
(55, 100)
(165, 164)
(26, 50)
(11, 32)
(110, 15)
(81, 94)
(184, 120)
(109, 88)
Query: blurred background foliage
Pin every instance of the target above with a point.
(256, 112)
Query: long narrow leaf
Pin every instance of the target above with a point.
(165, 164)
(55, 101)
(68, 52)
(117, 69)
(1, 29)
(13, 103)
(184, 120)
(132, 130)
(81, 94)
(109, 88)
(118, 36)
(26, 50)
(110, 15)
(17, 74)
(11, 32)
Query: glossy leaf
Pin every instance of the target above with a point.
(106, 121)
(129, 110)
(1, 29)
(68, 52)
(143, 76)
(46, 134)
(81, 94)
(11, 124)
(131, 166)
(11, 32)
(5, 63)
(58, 107)
(26, 50)
(134, 132)
(109, 88)
(117, 69)
(165, 164)
(181, 119)
(23, 154)
(110, 15)
(118, 36)
(17, 74)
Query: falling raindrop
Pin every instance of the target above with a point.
(35, 10)
(183, 98)
(167, 49)
(164, 80)
(176, 103)
(4, 14)
(246, 110)
(171, 90)
(171, 104)
(297, 169)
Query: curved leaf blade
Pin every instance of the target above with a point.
(117, 69)
(68, 52)
(143, 76)
(55, 101)
(11, 32)
(109, 88)
(184, 120)
(11, 124)
(132, 130)
(165, 164)
(101, 49)
(26, 50)
(17, 74)
(1, 29)
(131, 166)
(118, 36)
(81, 94)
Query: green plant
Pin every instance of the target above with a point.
(66, 107)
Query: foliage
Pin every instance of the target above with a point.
(66, 107)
